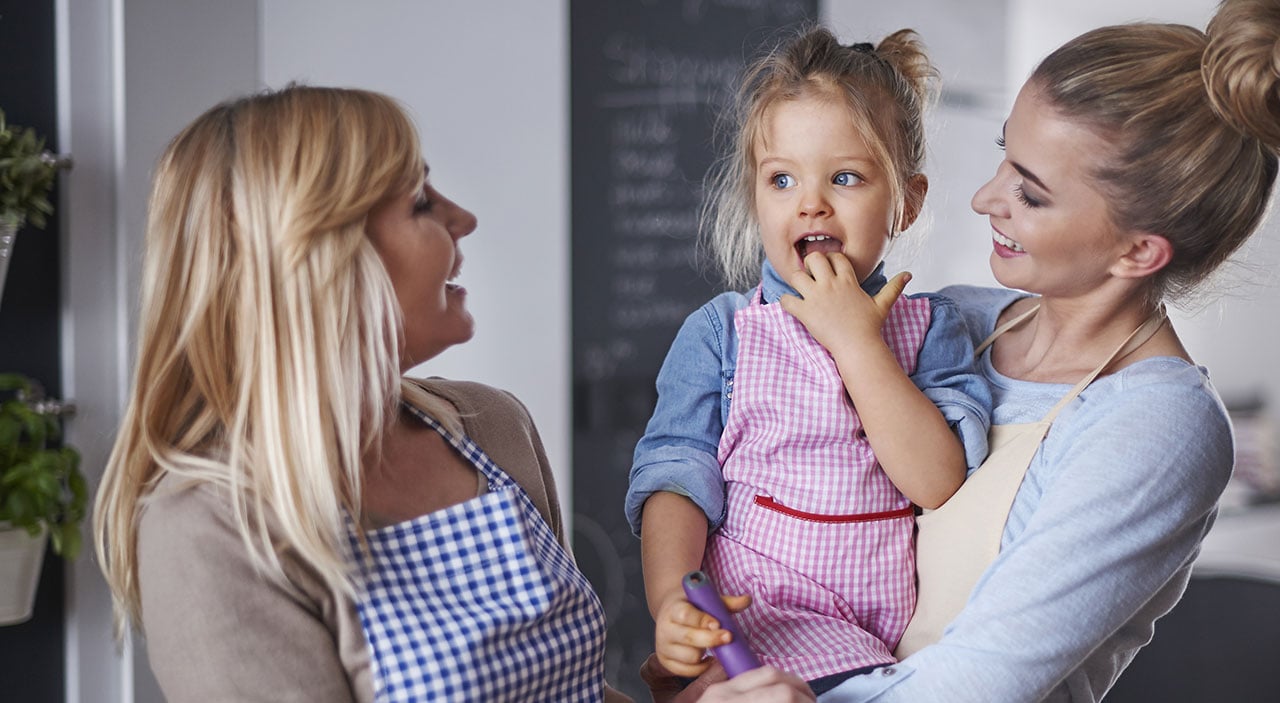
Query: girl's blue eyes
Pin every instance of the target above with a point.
(782, 181)
(846, 178)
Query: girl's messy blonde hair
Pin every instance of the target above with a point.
(887, 89)
(269, 342)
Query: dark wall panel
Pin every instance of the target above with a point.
(32, 652)
(1221, 643)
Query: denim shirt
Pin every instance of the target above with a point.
(678, 452)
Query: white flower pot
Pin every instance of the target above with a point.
(8, 235)
(21, 556)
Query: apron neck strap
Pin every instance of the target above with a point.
(1136, 338)
(1005, 328)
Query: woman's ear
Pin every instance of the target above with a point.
(913, 199)
(1147, 254)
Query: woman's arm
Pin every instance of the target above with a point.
(763, 685)
(218, 630)
(912, 440)
(1099, 544)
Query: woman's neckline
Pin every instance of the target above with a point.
(993, 373)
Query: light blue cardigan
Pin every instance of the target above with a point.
(1099, 542)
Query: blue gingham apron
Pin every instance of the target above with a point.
(479, 602)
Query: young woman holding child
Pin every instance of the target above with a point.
(1138, 158)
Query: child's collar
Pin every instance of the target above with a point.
(773, 287)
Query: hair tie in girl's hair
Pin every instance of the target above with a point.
(863, 47)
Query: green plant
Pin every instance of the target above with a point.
(27, 173)
(39, 485)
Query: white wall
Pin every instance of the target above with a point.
(92, 333)
(968, 45)
(1036, 27)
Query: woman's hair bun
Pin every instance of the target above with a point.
(1241, 68)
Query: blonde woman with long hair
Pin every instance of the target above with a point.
(284, 515)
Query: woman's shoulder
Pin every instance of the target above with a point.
(179, 504)
(501, 425)
(1160, 398)
(495, 418)
(187, 527)
(185, 518)
(1171, 380)
(1160, 419)
(476, 401)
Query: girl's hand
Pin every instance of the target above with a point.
(835, 309)
(763, 685)
(684, 634)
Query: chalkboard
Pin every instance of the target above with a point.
(648, 79)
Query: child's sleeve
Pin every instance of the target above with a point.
(678, 452)
(947, 375)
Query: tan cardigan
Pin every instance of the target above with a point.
(217, 630)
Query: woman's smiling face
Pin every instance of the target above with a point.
(1052, 231)
(417, 234)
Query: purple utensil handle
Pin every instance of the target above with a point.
(735, 657)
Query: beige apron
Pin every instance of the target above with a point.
(956, 542)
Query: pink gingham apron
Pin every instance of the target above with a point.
(814, 531)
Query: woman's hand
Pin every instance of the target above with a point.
(684, 634)
(763, 685)
(835, 309)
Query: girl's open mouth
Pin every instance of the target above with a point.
(817, 242)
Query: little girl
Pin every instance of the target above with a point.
(755, 437)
